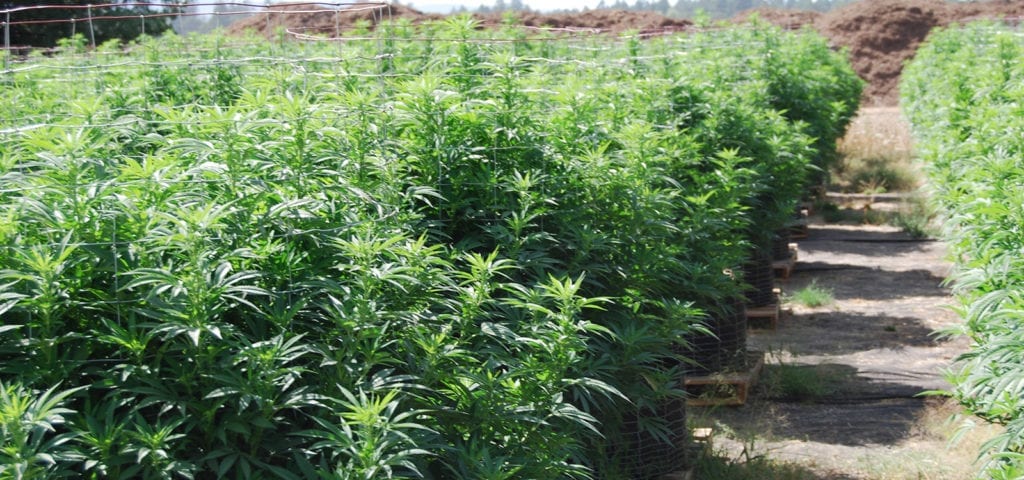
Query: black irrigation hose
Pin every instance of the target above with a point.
(848, 400)
(803, 267)
(873, 240)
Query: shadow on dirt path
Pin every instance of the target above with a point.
(841, 390)
(843, 333)
(858, 282)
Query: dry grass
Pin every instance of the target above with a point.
(928, 453)
(877, 155)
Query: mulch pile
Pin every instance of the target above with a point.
(785, 18)
(314, 19)
(881, 35)
(610, 21)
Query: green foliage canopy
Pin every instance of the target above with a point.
(469, 257)
(964, 98)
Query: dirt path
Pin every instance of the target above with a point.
(840, 392)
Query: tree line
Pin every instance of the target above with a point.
(37, 26)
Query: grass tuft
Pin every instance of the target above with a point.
(874, 175)
(801, 383)
(916, 216)
(716, 466)
(813, 296)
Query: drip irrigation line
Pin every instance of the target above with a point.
(805, 267)
(880, 240)
(853, 398)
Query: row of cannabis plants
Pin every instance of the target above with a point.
(442, 253)
(964, 94)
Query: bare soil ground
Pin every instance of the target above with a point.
(864, 361)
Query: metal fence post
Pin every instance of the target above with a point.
(92, 33)
(7, 41)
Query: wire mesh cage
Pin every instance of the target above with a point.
(780, 245)
(723, 347)
(702, 349)
(760, 278)
(733, 336)
(654, 441)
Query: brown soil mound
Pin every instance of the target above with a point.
(315, 19)
(881, 36)
(965, 12)
(311, 19)
(791, 19)
(614, 21)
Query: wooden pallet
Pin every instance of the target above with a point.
(783, 268)
(724, 388)
(766, 317)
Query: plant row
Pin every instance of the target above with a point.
(440, 253)
(963, 94)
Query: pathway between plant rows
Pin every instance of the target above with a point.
(840, 391)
